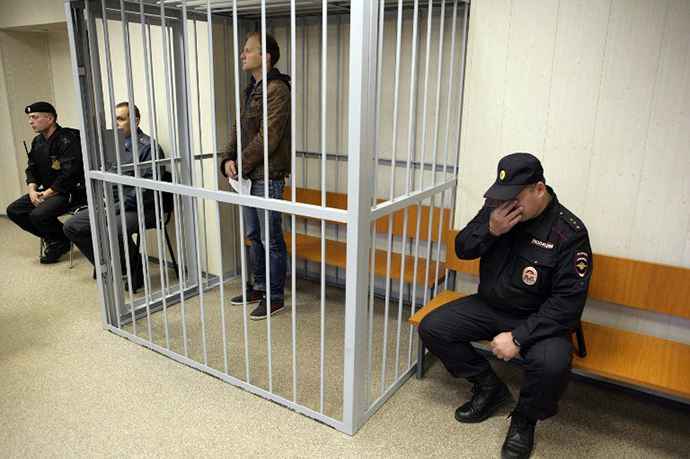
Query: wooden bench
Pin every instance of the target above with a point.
(655, 363)
(309, 247)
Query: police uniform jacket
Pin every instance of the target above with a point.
(539, 270)
(56, 162)
(144, 155)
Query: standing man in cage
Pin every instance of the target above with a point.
(253, 133)
(55, 176)
(78, 228)
(533, 280)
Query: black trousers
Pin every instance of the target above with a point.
(78, 230)
(449, 330)
(42, 220)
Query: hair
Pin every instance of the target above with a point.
(272, 47)
(54, 115)
(126, 104)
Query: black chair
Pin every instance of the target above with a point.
(168, 209)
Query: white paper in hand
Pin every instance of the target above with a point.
(246, 185)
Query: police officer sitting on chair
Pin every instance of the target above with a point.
(55, 176)
(533, 280)
(78, 228)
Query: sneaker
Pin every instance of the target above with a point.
(260, 312)
(54, 251)
(253, 296)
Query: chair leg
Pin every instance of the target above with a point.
(421, 352)
(40, 248)
(71, 255)
(172, 255)
(581, 348)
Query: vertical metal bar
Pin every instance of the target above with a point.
(461, 88)
(214, 133)
(238, 127)
(76, 55)
(360, 141)
(439, 73)
(324, 116)
(371, 312)
(264, 97)
(337, 130)
(110, 301)
(293, 160)
(138, 192)
(394, 140)
(411, 140)
(110, 216)
(174, 155)
(192, 173)
(445, 160)
(233, 223)
(201, 146)
(423, 147)
(135, 160)
(153, 129)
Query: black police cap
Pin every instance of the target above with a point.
(40, 107)
(515, 172)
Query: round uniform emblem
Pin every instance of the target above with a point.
(529, 275)
(502, 175)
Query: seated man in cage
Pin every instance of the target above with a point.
(534, 276)
(78, 228)
(55, 177)
(252, 132)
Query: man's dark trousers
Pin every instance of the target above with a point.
(78, 229)
(449, 330)
(41, 220)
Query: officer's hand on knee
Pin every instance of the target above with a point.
(503, 346)
(35, 197)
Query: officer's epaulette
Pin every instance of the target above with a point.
(68, 135)
(571, 219)
(144, 140)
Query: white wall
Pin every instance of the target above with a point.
(599, 90)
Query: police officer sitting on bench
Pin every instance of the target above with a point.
(55, 176)
(533, 280)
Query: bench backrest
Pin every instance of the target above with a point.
(634, 283)
(339, 201)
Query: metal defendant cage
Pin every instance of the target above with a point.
(376, 105)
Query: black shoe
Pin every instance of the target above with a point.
(54, 251)
(260, 312)
(520, 438)
(253, 296)
(137, 283)
(490, 393)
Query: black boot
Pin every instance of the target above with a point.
(520, 438)
(490, 393)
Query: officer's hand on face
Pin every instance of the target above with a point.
(231, 170)
(504, 217)
(36, 197)
(503, 346)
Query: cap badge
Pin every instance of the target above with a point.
(529, 275)
(502, 175)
